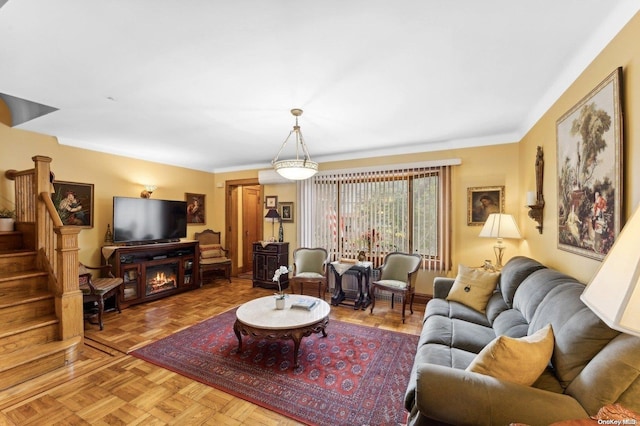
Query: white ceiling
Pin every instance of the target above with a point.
(208, 84)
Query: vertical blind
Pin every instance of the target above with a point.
(378, 212)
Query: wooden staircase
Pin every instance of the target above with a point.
(41, 326)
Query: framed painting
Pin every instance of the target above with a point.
(74, 203)
(195, 209)
(482, 201)
(589, 166)
(285, 209)
(271, 201)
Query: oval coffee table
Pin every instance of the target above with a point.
(259, 318)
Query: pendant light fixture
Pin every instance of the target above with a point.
(297, 168)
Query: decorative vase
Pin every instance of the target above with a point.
(280, 303)
(108, 236)
(280, 233)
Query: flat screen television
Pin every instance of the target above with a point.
(145, 220)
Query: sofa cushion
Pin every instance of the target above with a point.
(520, 360)
(211, 250)
(473, 287)
(455, 310)
(456, 333)
(579, 333)
(622, 356)
(535, 288)
(513, 274)
(495, 306)
(511, 323)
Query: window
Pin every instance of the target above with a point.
(379, 212)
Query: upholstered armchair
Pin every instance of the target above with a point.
(310, 267)
(398, 274)
(213, 257)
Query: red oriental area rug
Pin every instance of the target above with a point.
(355, 376)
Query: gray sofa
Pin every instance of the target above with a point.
(591, 366)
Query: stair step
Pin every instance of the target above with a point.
(11, 240)
(6, 275)
(27, 363)
(19, 310)
(17, 260)
(33, 332)
(18, 286)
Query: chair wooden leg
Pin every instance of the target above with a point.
(411, 304)
(372, 290)
(100, 311)
(404, 305)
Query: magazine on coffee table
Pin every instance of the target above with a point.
(307, 304)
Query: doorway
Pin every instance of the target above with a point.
(243, 216)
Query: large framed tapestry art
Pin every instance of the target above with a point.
(589, 161)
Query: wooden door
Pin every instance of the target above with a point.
(251, 222)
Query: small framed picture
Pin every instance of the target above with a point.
(482, 201)
(195, 208)
(271, 201)
(286, 211)
(74, 202)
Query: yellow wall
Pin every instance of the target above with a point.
(623, 51)
(110, 174)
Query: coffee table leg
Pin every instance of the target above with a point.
(236, 329)
(296, 347)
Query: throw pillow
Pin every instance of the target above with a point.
(519, 361)
(210, 250)
(473, 287)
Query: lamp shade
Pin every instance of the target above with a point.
(272, 214)
(296, 169)
(614, 292)
(499, 225)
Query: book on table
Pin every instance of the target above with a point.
(307, 304)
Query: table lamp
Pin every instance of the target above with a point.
(273, 215)
(500, 226)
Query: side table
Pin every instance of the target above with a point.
(362, 271)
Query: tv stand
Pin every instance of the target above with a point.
(153, 271)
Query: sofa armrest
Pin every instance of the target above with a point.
(460, 397)
(441, 287)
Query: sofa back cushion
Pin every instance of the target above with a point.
(612, 376)
(513, 274)
(535, 288)
(579, 333)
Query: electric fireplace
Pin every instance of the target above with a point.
(162, 277)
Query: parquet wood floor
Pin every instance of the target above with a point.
(108, 387)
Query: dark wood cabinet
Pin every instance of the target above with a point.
(153, 271)
(266, 259)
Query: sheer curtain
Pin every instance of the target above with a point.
(406, 209)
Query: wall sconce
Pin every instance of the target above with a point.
(148, 190)
(535, 201)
